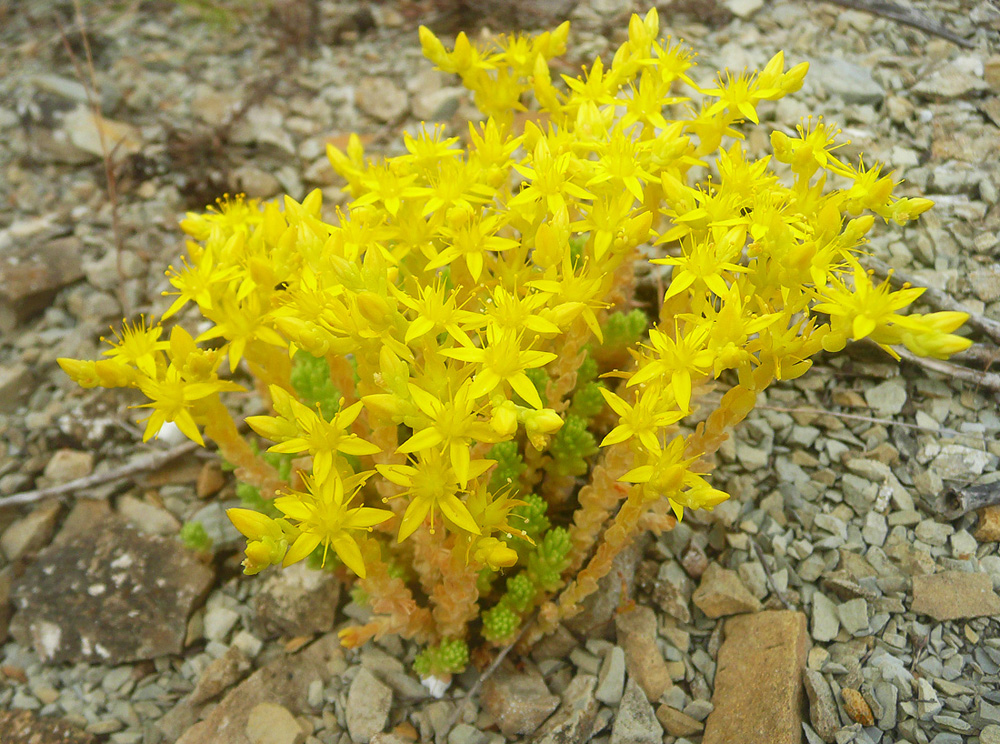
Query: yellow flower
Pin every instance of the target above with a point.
(325, 517)
(138, 346)
(644, 420)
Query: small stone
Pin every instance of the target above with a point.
(986, 283)
(952, 595)
(255, 182)
(611, 679)
(219, 621)
(822, 707)
(854, 616)
(960, 463)
(645, 663)
(381, 98)
(67, 465)
(297, 601)
(743, 8)
(887, 696)
(148, 518)
(368, 705)
(988, 527)
(220, 675)
(825, 621)
(676, 723)
(856, 707)
(30, 533)
(990, 735)
(15, 383)
(875, 530)
(928, 704)
(635, 723)
(769, 648)
(269, 723)
(210, 480)
(887, 398)
(95, 135)
(613, 590)
(518, 701)
(959, 78)
(575, 718)
(851, 82)
(672, 591)
(721, 593)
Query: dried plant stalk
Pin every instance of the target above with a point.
(598, 499)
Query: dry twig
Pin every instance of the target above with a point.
(957, 502)
(989, 380)
(139, 465)
(907, 16)
(767, 573)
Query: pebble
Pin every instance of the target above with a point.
(635, 722)
(218, 623)
(853, 616)
(611, 680)
(851, 82)
(381, 98)
(269, 723)
(990, 735)
(721, 593)
(825, 620)
(822, 706)
(368, 705)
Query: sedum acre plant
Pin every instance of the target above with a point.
(465, 410)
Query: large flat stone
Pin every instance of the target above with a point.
(109, 596)
(24, 727)
(759, 696)
(953, 595)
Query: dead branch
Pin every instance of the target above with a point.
(139, 465)
(956, 502)
(906, 16)
(989, 380)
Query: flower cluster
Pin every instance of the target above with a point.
(458, 352)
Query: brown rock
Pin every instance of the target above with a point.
(23, 727)
(67, 465)
(6, 581)
(31, 533)
(856, 707)
(30, 275)
(643, 660)
(953, 595)
(676, 723)
(297, 601)
(770, 649)
(148, 518)
(269, 723)
(988, 527)
(210, 480)
(220, 675)
(15, 380)
(518, 701)
(284, 681)
(722, 593)
(109, 596)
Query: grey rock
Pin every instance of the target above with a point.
(854, 616)
(574, 720)
(297, 601)
(611, 679)
(148, 518)
(381, 98)
(721, 593)
(961, 463)
(672, 591)
(218, 623)
(851, 82)
(825, 621)
(990, 735)
(887, 696)
(636, 723)
(31, 272)
(368, 705)
(220, 675)
(595, 620)
(109, 597)
(887, 398)
(822, 706)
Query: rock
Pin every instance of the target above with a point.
(30, 533)
(611, 679)
(721, 593)
(856, 707)
(23, 727)
(210, 480)
(148, 518)
(960, 78)
(953, 595)
(822, 707)
(676, 723)
(614, 590)
(297, 601)
(255, 182)
(887, 696)
(15, 379)
(743, 8)
(381, 99)
(31, 272)
(851, 82)
(960, 463)
(96, 136)
(887, 398)
(853, 616)
(368, 705)
(574, 720)
(672, 591)
(518, 701)
(986, 283)
(825, 621)
(284, 681)
(990, 735)
(67, 465)
(988, 527)
(109, 597)
(221, 674)
(270, 723)
(769, 648)
(635, 722)
(645, 664)
(6, 583)
(218, 623)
